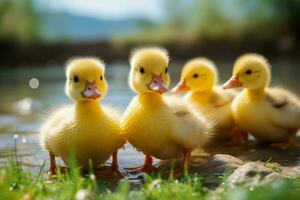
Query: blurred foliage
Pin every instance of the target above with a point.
(183, 20)
(18, 21)
(191, 20)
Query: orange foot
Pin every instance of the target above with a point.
(113, 171)
(240, 137)
(176, 173)
(282, 146)
(285, 145)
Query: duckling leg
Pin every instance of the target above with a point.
(186, 159)
(287, 144)
(113, 170)
(147, 167)
(52, 169)
(115, 165)
(185, 164)
(239, 136)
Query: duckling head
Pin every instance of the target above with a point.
(85, 79)
(250, 71)
(198, 75)
(149, 70)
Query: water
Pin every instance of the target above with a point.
(23, 108)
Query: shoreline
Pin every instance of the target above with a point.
(13, 55)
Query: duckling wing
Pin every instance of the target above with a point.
(222, 97)
(114, 123)
(286, 106)
(191, 128)
(58, 127)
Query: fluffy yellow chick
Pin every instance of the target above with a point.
(85, 129)
(199, 77)
(163, 127)
(272, 115)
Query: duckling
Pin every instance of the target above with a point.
(162, 127)
(271, 115)
(200, 76)
(85, 129)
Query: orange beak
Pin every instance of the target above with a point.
(157, 84)
(90, 91)
(180, 87)
(233, 82)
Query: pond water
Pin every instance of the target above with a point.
(28, 93)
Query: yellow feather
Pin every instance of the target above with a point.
(162, 127)
(270, 114)
(88, 130)
(200, 75)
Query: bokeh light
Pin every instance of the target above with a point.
(34, 83)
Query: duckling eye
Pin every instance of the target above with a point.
(248, 72)
(75, 79)
(195, 75)
(101, 77)
(166, 70)
(142, 70)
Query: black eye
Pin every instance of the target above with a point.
(142, 70)
(195, 75)
(166, 70)
(101, 77)
(75, 79)
(248, 72)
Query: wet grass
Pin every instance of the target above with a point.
(17, 183)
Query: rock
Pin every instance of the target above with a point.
(253, 173)
(290, 172)
(219, 165)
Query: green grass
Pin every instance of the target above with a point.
(16, 183)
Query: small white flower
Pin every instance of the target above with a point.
(93, 177)
(82, 194)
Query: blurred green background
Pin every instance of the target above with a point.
(39, 31)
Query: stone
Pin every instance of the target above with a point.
(220, 164)
(253, 173)
(289, 172)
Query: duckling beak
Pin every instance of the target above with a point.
(157, 84)
(91, 91)
(180, 87)
(233, 82)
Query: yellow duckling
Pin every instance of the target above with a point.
(272, 115)
(165, 128)
(85, 129)
(200, 76)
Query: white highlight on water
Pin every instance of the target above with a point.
(16, 136)
(34, 83)
(24, 140)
